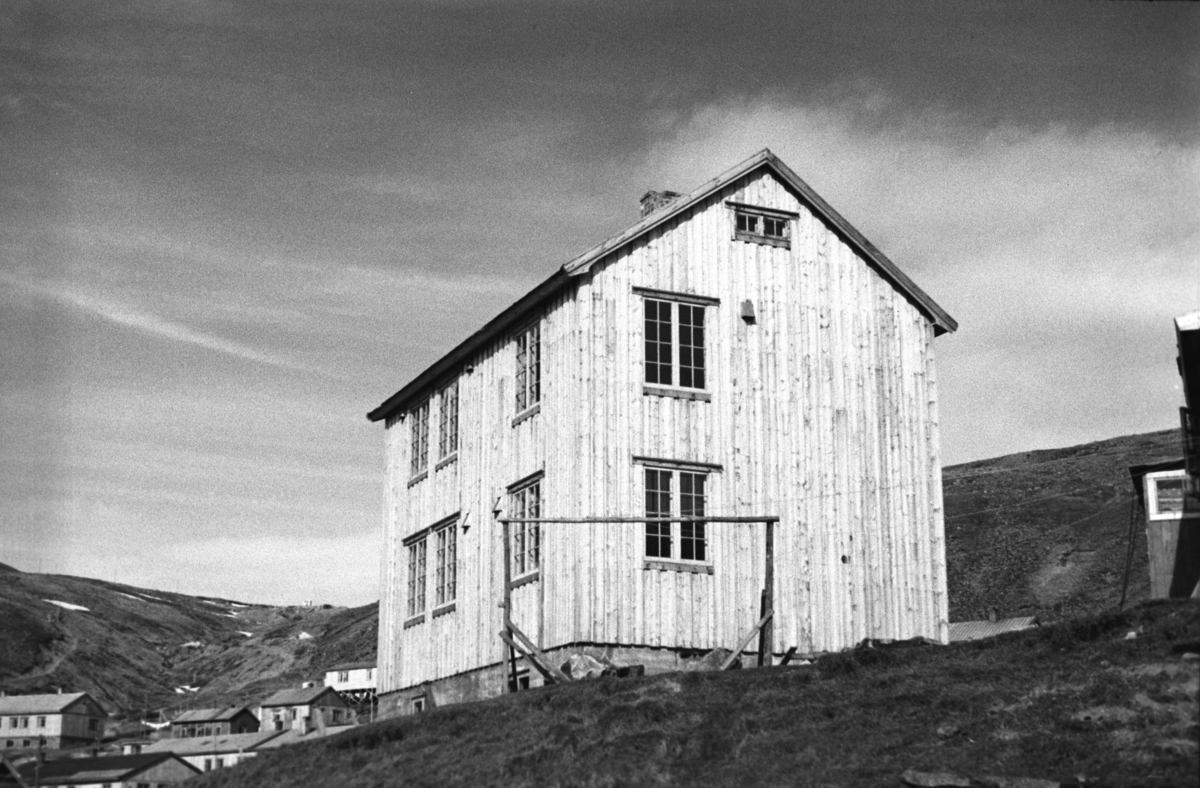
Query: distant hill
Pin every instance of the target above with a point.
(1046, 533)
(130, 647)
(1041, 533)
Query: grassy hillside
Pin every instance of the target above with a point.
(131, 648)
(1078, 698)
(1046, 533)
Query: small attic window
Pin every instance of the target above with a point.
(755, 224)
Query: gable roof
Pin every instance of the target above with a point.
(199, 745)
(764, 159)
(300, 697)
(292, 735)
(211, 715)
(48, 703)
(108, 768)
(351, 666)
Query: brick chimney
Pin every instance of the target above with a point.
(652, 201)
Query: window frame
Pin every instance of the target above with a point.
(527, 378)
(1153, 512)
(741, 212)
(448, 423)
(446, 566)
(678, 304)
(417, 571)
(418, 458)
(522, 568)
(678, 533)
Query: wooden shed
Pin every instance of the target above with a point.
(741, 352)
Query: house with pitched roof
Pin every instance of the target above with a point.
(303, 708)
(59, 719)
(112, 771)
(355, 681)
(721, 421)
(215, 751)
(214, 722)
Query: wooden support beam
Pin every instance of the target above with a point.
(746, 640)
(768, 632)
(557, 674)
(702, 519)
(541, 667)
(791, 652)
(513, 684)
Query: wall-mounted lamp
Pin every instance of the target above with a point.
(748, 312)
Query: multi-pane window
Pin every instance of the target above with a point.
(448, 421)
(658, 504)
(446, 586)
(661, 501)
(420, 438)
(762, 228)
(529, 367)
(674, 355)
(526, 503)
(416, 578)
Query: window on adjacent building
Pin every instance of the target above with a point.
(220, 762)
(41, 722)
(416, 577)
(529, 367)
(208, 764)
(674, 351)
(343, 675)
(446, 562)
(1170, 497)
(24, 722)
(448, 421)
(675, 493)
(525, 502)
(762, 225)
(420, 438)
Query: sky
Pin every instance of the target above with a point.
(230, 229)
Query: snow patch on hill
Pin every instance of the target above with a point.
(67, 605)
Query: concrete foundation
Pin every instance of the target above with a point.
(493, 680)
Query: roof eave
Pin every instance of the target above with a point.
(467, 348)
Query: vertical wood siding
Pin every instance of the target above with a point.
(823, 412)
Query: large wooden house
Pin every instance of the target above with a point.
(741, 351)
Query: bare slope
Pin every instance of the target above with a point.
(1073, 699)
(1046, 533)
(131, 648)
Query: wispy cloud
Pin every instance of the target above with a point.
(149, 323)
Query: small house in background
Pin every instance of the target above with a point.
(354, 681)
(214, 722)
(214, 752)
(305, 708)
(1169, 492)
(61, 719)
(114, 771)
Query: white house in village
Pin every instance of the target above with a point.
(61, 720)
(354, 681)
(740, 351)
